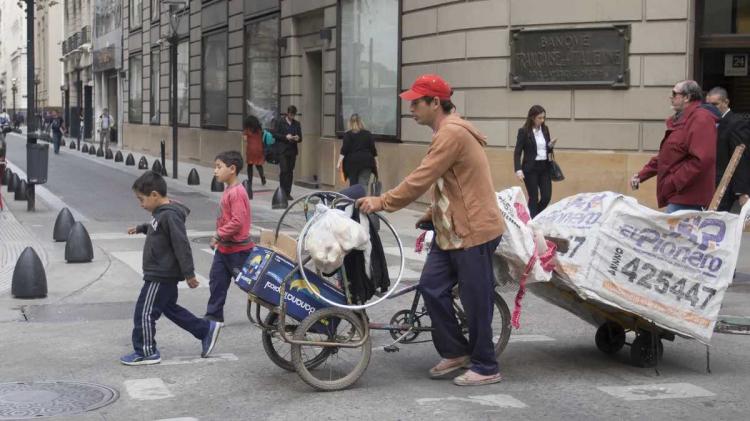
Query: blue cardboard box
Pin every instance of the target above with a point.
(262, 275)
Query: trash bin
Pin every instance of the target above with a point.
(37, 159)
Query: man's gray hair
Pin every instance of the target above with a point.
(692, 90)
(721, 92)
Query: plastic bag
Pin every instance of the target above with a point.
(331, 236)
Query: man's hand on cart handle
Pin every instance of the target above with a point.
(635, 182)
(370, 204)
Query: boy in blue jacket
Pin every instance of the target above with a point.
(167, 259)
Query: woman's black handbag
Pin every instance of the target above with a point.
(556, 173)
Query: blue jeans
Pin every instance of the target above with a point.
(56, 137)
(159, 298)
(674, 207)
(219, 279)
(472, 269)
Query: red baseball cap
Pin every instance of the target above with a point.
(428, 85)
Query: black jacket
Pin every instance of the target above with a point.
(361, 287)
(733, 130)
(359, 152)
(284, 146)
(526, 144)
(166, 255)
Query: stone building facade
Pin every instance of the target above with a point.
(338, 57)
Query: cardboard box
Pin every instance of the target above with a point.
(284, 244)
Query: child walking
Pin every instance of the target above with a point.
(231, 243)
(167, 259)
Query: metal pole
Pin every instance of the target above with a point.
(173, 54)
(30, 97)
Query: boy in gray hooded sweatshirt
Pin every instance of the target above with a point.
(167, 260)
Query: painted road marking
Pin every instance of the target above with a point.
(656, 391)
(179, 419)
(134, 259)
(124, 235)
(196, 360)
(408, 274)
(499, 401)
(147, 389)
(409, 253)
(528, 338)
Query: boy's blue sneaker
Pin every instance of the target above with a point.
(138, 359)
(210, 340)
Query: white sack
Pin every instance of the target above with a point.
(331, 236)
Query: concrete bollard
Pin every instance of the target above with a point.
(85, 148)
(92, 150)
(29, 279)
(118, 156)
(130, 161)
(100, 153)
(279, 199)
(143, 163)
(7, 175)
(13, 182)
(156, 167)
(193, 178)
(108, 154)
(78, 248)
(63, 224)
(72, 144)
(216, 186)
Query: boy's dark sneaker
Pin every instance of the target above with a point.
(215, 319)
(138, 359)
(210, 340)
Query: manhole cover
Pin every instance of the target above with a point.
(49, 399)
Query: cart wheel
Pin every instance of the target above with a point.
(402, 318)
(610, 337)
(344, 366)
(501, 326)
(280, 352)
(642, 351)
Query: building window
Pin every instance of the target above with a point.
(155, 11)
(136, 13)
(135, 89)
(154, 98)
(214, 94)
(262, 69)
(368, 68)
(183, 89)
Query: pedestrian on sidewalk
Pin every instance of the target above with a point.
(468, 227)
(167, 260)
(105, 122)
(733, 130)
(685, 166)
(57, 124)
(533, 142)
(253, 134)
(288, 133)
(231, 242)
(358, 157)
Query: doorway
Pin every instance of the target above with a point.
(312, 115)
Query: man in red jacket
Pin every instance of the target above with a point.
(685, 167)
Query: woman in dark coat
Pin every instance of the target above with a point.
(358, 154)
(531, 159)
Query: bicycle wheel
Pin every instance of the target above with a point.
(344, 366)
(501, 326)
(280, 352)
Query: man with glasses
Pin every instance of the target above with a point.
(685, 167)
(288, 133)
(467, 224)
(733, 130)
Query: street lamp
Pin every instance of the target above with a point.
(175, 9)
(14, 88)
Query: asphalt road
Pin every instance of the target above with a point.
(551, 367)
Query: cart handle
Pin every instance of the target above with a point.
(301, 241)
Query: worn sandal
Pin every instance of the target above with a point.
(446, 366)
(470, 378)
